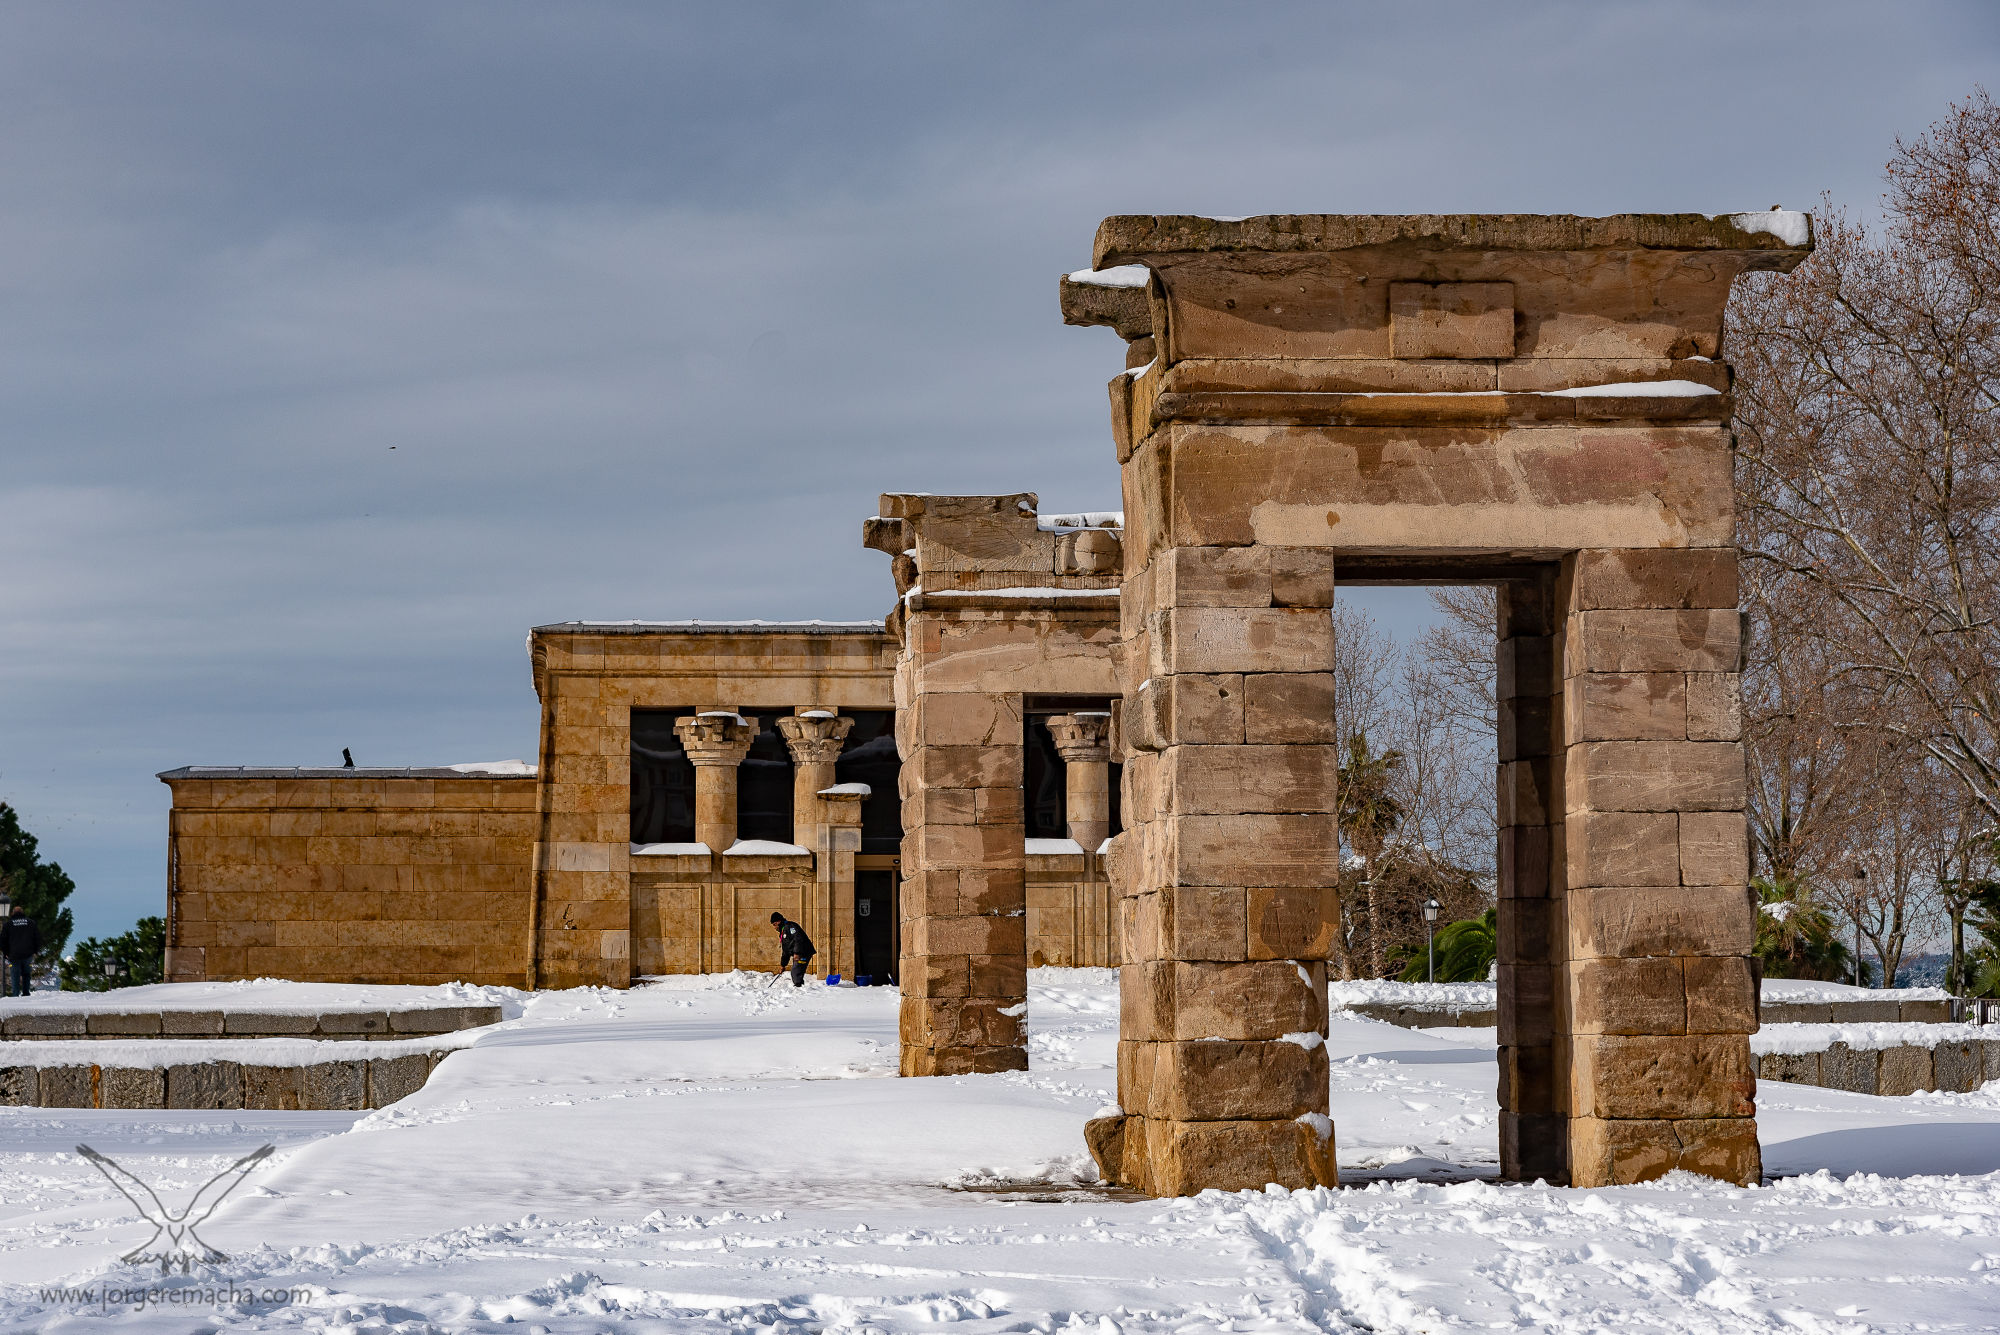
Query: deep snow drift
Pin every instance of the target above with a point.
(716, 1154)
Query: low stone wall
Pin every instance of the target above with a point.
(1951, 1059)
(341, 1084)
(1421, 1017)
(344, 1026)
(1471, 1006)
(1856, 1012)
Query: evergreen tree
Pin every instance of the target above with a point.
(1982, 962)
(140, 956)
(37, 886)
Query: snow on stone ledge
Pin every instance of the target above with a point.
(276, 996)
(668, 850)
(1790, 1038)
(1634, 389)
(848, 790)
(1417, 996)
(1081, 519)
(1811, 990)
(1125, 275)
(1054, 847)
(762, 848)
(1481, 996)
(1788, 225)
(495, 767)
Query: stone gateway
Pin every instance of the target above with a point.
(1531, 402)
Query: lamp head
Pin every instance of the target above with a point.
(1431, 910)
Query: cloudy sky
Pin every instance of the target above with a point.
(340, 343)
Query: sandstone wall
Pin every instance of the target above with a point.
(349, 876)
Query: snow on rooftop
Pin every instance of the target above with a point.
(697, 626)
(1125, 275)
(1791, 227)
(490, 769)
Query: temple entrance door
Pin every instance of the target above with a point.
(875, 926)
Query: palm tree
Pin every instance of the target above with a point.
(1369, 813)
(1796, 936)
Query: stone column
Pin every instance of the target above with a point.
(716, 741)
(1225, 874)
(814, 737)
(836, 841)
(1084, 743)
(1661, 994)
(965, 890)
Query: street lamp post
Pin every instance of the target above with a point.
(1431, 908)
(1860, 883)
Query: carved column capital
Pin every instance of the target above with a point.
(1079, 737)
(716, 737)
(815, 737)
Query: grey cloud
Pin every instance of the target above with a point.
(652, 300)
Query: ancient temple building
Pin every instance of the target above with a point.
(693, 777)
(1109, 738)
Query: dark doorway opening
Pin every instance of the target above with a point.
(874, 927)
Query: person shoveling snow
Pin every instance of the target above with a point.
(796, 946)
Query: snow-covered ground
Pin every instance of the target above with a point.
(716, 1154)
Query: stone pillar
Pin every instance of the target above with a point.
(965, 889)
(716, 741)
(836, 841)
(1225, 874)
(1084, 743)
(814, 737)
(1661, 993)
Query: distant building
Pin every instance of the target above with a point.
(692, 778)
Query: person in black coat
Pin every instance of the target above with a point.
(796, 948)
(20, 942)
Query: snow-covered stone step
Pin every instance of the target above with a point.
(266, 1073)
(99, 1022)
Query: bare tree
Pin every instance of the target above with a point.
(1458, 655)
(1868, 412)
(1417, 799)
(1890, 896)
(1364, 661)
